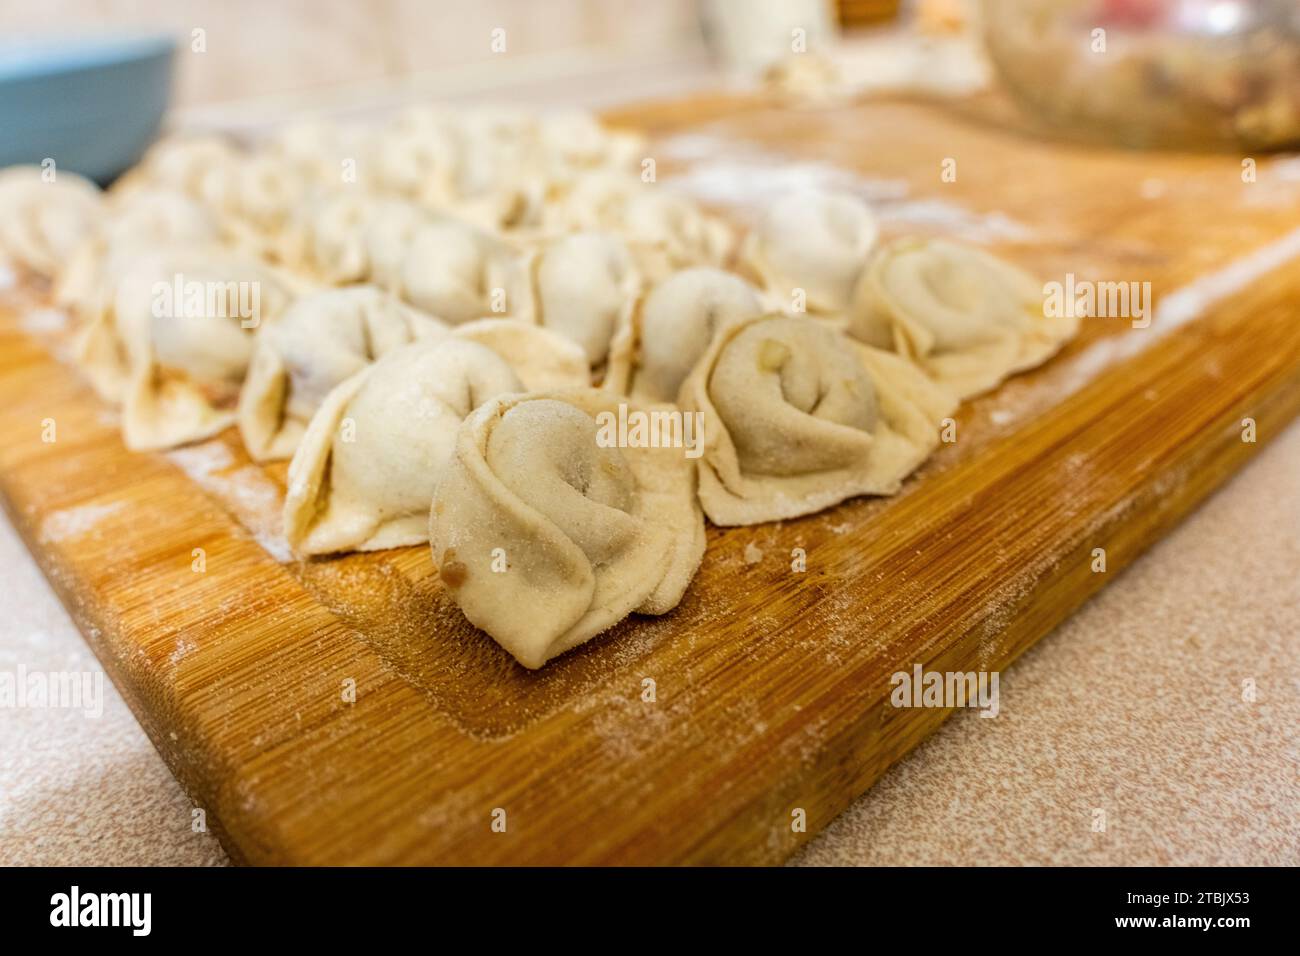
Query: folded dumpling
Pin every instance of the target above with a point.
(321, 340)
(364, 473)
(321, 151)
(664, 230)
(42, 221)
(575, 142)
(672, 326)
(815, 240)
(174, 340)
(256, 197)
(584, 288)
(458, 273)
(189, 163)
(798, 418)
(415, 156)
(541, 358)
(136, 222)
(668, 231)
(325, 237)
(545, 533)
(968, 318)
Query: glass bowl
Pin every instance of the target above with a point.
(1166, 73)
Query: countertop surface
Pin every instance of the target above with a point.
(1156, 726)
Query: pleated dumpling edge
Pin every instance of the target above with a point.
(545, 533)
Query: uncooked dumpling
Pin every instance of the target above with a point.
(42, 221)
(816, 241)
(671, 328)
(545, 535)
(585, 285)
(187, 163)
(174, 340)
(137, 222)
(256, 196)
(665, 231)
(363, 475)
(575, 142)
(325, 237)
(541, 358)
(967, 318)
(321, 151)
(668, 232)
(321, 340)
(459, 273)
(415, 156)
(798, 418)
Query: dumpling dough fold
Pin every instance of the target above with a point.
(541, 358)
(664, 336)
(584, 286)
(42, 222)
(321, 340)
(546, 537)
(798, 418)
(815, 240)
(138, 221)
(363, 475)
(664, 230)
(175, 362)
(966, 317)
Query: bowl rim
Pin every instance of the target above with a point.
(41, 55)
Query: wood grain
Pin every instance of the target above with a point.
(772, 686)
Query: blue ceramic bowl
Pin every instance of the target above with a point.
(91, 103)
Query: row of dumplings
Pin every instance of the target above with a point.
(435, 345)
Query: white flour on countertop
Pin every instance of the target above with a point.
(1190, 301)
(1173, 311)
(248, 492)
(955, 221)
(753, 183)
(200, 462)
(75, 522)
(44, 321)
(722, 173)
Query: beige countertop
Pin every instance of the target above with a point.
(1135, 707)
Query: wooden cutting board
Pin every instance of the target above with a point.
(771, 686)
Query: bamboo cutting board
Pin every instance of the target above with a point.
(771, 686)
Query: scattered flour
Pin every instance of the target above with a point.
(201, 462)
(1152, 188)
(955, 221)
(75, 522)
(721, 172)
(44, 321)
(754, 183)
(1285, 169)
(184, 647)
(248, 492)
(753, 553)
(1173, 311)
(1181, 306)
